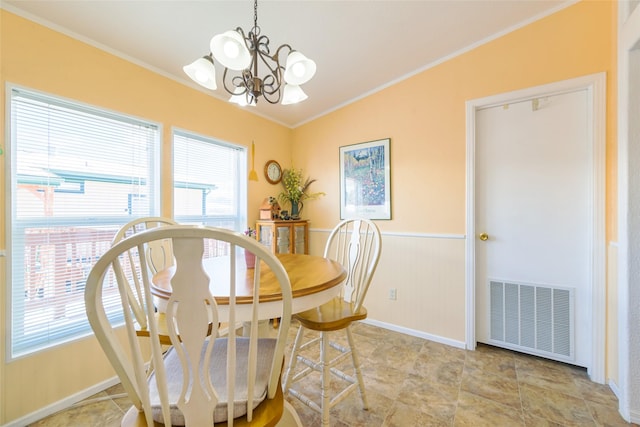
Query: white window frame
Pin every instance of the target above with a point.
(236, 222)
(79, 326)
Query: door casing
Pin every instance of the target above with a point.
(595, 85)
(628, 376)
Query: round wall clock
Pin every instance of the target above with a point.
(273, 172)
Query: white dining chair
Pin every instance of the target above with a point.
(159, 255)
(203, 379)
(356, 244)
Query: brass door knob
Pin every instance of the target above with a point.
(484, 237)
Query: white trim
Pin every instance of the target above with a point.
(224, 96)
(62, 404)
(595, 84)
(614, 388)
(443, 59)
(628, 38)
(470, 252)
(403, 234)
(415, 333)
(91, 42)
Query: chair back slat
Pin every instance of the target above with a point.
(188, 313)
(159, 254)
(203, 377)
(356, 244)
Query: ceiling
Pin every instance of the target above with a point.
(359, 46)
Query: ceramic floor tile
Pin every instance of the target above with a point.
(414, 382)
(420, 391)
(401, 357)
(606, 415)
(438, 351)
(351, 412)
(555, 406)
(103, 413)
(442, 372)
(476, 411)
(383, 381)
(491, 386)
(533, 421)
(552, 375)
(599, 393)
(436, 415)
(488, 359)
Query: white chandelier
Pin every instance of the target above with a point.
(240, 54)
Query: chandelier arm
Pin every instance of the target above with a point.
(271, 86)
(275, 55)
(268, 97)
(275, 69)
(231, 80)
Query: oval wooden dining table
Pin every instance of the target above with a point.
(314, 281)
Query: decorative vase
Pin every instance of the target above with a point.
(250, 259)
(296, 207)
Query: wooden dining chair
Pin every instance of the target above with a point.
(356, 244)
(203, 379)
(159, 255)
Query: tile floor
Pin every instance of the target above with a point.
(414, 382)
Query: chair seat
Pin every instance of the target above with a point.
(332, 316)
(267, 414)
(217, 372)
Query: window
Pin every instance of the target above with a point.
(210, 182)
(76, 175)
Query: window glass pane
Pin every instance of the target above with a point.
(77, 174)
(209, 182)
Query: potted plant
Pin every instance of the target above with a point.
(296, 190)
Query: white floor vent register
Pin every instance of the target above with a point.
(533, 319)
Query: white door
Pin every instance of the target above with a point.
(533, 180)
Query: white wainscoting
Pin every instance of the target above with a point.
(428, 273)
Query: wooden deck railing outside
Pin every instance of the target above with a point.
(57, 263)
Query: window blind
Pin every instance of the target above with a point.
(77, 174)
(210, 182)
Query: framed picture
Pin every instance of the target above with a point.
(365, 187)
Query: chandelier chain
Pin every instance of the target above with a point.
(255, 13)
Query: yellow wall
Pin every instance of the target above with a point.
(423, 254)
(38, 58)
(425, 118)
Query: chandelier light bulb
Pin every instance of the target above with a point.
(299, 69)
(201, 76)
(240, 98)
(203, 72)
(231, 49)
(293, 94)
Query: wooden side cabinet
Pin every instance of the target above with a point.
(284, 237)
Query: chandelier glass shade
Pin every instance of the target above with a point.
(242, 55)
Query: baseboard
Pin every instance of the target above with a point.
(415, 333)
(614, 388)
(62, 404)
